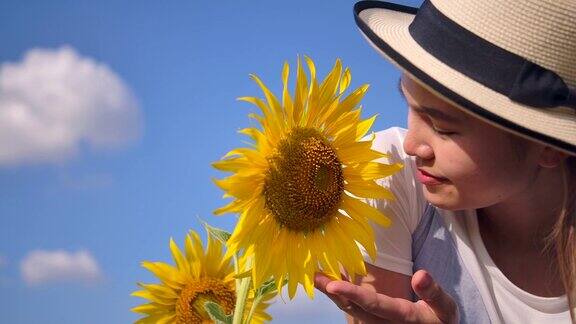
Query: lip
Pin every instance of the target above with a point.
(428, 179)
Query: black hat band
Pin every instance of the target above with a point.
(520, 80)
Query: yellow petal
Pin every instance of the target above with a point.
(349, 103)
(371, 171)
(232, 165)
(357, 152)
(329, 268)
(150, 308)
(250, 227)
(192, 257)
(142, 294)
(257, 118)
(178, 257)
(311, 68)
(235, 206)
(368, 189)
(330, 258)
(360, 209)
(327, 110)
(314, 90)
(240, 186)
(160, 290)
(213, 261)
(262, 260)
(292, 285)
(198, 248)
(271, 99)
(167, 319)
(291, 245)
(344, 120)
(270, 122)
(345, 80)
(301, 94)
(324, 255)
(156, 318)
(338, 249)
(314, 106)
(260, 140)
(154, 298)
(346, 136)
(264, 108)
(166, 273)
(363, 235)
(309, 270)
(329, 86)
(364, 127)
(251, 155)
(350, 250)
(286, 98)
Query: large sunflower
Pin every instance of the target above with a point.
(299, 188)
(198, 277)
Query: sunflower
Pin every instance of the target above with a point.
(299, 188)
(198, 277)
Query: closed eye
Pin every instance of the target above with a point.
(442, 132)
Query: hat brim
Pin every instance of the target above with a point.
(385, 26)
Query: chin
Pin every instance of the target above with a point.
(443, 198)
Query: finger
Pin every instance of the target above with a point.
(429, 291)
(321, 281)
(379, 305)
(362, 316)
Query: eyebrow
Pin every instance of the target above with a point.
(433, 112)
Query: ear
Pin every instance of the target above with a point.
(550, 157)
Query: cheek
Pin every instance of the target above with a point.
(474, 182)
(484, 186)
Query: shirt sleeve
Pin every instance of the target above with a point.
(394, 244)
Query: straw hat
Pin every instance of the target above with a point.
(511, 63)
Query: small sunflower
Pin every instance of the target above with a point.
(299, 189)
(198, 277)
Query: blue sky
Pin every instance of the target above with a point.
(100, 198)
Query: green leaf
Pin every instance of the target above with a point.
(268, 287)
(216, 313)
(219, 234)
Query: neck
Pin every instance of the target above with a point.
(526, 218)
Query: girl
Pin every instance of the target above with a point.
(483, 223)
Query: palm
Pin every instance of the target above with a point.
(435, 306)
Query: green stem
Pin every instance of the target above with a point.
(242, 287)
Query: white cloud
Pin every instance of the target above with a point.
(55, 100)
(302, 310)
(41, 266)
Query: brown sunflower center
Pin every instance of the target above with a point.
(305, 181)
(190, 305)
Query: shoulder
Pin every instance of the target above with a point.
(394, 243)
(409, 204)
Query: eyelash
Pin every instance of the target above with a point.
(444, 133)
(437, 131)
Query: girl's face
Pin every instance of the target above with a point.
(463, 162)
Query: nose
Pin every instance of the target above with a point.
(415, 144)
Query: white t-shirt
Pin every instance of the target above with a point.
(504, 301)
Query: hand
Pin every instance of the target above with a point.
(434, 306)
